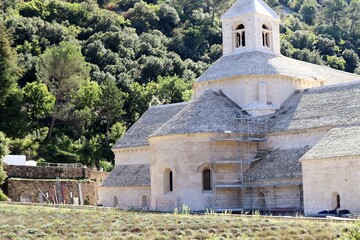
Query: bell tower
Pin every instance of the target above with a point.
(250, 25)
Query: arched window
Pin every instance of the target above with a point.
(206, 177)
(336, 200)
(171, 181)
(168, 180)
(240, 36)
(261, 200)
(144, 202)
(115, 202)
(266, 36)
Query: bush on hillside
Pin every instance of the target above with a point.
(3, 197)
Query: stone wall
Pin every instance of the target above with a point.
(28, 190)
(42, 172)
(125, 197)
(96, 176)
(271, 198)
(279, 88)
(136, 155)
(323, 179)
(25, 183)
(187, 156)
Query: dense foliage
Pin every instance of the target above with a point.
(3, 151)
(75, 74)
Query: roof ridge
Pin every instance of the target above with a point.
(246, 7)
(169, 105)
(332, 86)
(322, 66)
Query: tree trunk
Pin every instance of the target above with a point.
(53, 118)
(107, 135)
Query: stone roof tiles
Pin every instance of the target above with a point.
(151, 120)
(278, 164)
(244, 7)
(128, 176)
(337, 143)
(210, 113)
(261, 63)
(329, 106)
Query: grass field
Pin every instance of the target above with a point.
(32, 222)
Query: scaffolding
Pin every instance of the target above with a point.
(231, 156)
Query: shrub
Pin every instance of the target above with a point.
(106, 166)
(353, 233)
(3, 197)
(183, 210)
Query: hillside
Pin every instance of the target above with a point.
(74, 75)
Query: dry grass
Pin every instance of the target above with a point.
(29, 222)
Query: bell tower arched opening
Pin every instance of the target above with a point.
(240, 39)
(266, 36)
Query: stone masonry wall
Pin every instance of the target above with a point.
(28, 190)
(25, 182)
(42, 172)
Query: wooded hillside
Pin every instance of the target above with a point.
(74, 75)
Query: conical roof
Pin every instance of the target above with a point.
(245, 7)
(258, 63)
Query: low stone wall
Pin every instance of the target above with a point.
(96, 176)
(24, 183)
(28, 190)
(43, 172)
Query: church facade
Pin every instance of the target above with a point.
(262, 132)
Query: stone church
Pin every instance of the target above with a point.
(262, 132)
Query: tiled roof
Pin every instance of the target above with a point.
(261, 63)
(330, 106)
(337, 143)
(151, 120)
(244, 7)
(277, 164)
(128, 176)
(212, 112)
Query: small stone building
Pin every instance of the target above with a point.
(262, 132)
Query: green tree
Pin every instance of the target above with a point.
(303, 39)
(214, 6)
(30, 144)
(34, 8)
(38, 101)
(168, 19)
(352, 60)
(354, 17)
(336, 62)
(325, 45)
(140, 97)
(117, 131)
(9, 71)
(86, 101)
(111, 105)
(62, 68)
(335, 10)
(90, 152)
(308, 11)
(143, 16)
(3, 151)
(173, 89)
